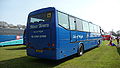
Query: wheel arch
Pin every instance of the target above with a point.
(81, 44)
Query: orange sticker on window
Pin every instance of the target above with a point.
(49, 15)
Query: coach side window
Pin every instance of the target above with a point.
(79, 24)
(98, 29)
(63, 20)
(95, 28)
(91, 27)
(72, 23)
(85, 26)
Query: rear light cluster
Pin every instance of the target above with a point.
(51, 45)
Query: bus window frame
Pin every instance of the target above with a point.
(59, 20)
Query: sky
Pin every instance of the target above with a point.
(105, 13)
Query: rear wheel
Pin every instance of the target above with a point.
(81, 50)
(98, 44)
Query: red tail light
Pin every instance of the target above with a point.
(53, 44)
(48, 44)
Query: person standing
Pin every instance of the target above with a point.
(110, 43)
(117, 39)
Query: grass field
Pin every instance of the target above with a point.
(102, 57)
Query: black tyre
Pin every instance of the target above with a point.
(81, 50)
(98, 45)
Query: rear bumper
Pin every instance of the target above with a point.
(46, 54)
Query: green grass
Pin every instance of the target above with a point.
(102, 57)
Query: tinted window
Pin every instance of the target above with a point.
(95, 28)
(79, 24)
(98, 28)
(43, 17)
(85, 26)
(91, 27)
(72, 23)
(63, 20)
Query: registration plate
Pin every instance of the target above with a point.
(39, 50)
